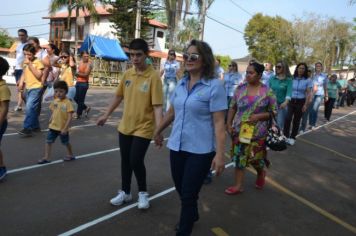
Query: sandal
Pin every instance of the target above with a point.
(233, 190)
(260, 181)
(43, 161)
(70, 158)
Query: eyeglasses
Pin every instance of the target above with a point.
(191, 57)
(64, 57)
(139, 54)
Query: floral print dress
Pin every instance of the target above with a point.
(253, 153)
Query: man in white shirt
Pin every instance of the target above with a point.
(22, 36)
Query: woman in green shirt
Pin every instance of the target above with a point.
(333, 88)
(281, 85)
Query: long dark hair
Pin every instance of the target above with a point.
(207, 56)
(305, 75)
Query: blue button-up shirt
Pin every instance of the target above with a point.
(300, 86)
(232, 80)
(320, 81)
(171, 69)
(193, 126)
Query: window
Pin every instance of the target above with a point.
(160, 34)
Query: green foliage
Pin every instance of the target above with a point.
(189, 31)
(5, 40)
(224, 61)
(270, 39)
(124, 19)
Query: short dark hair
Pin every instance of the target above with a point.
(318, 63)
(305, 75)
(60, 84)
(30, 48)
(259, 68)
(139, 44)
(4, 66)
(171, 51)
(207, 56)
(54, 48)
(22, 31)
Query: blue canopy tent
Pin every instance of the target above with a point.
(105, 48)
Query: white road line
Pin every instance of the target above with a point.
(120, 211)
(73, 127)
(160, 194)
(93, 154)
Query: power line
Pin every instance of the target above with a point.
(241, 7)
(25, 13)
(228, 26)
(26, 26)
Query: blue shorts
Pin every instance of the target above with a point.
(3, 129)
(53, 134)
(17, 75)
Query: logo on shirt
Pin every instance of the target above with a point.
(144, 87)
(127, 83)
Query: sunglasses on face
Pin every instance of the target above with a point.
(191, 57)
(64, 57)
(232, 66)
(278, 67)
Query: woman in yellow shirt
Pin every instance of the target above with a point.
(68, 68)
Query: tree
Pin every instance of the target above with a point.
(224, 61)
(270, 39)
(189, 31)
(124, 18)
(5, 40)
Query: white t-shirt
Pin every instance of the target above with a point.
(20, 57)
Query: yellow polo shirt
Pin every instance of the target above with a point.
(4, 91)
(60, 110)
(140, 93)
(67, 75)
(31, 81)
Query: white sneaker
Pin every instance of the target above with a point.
(301, 132)
(18, 108)
(291, 141)
(143, 201)
(121, 198)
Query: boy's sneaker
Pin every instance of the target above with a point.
(36, 130)
(3, 172)
(121, 198)
(291, 141)
(143, 201)
(18, 108)
(25, 132)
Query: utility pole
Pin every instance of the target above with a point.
(202, 20)
(138, 20)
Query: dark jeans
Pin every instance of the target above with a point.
(294, 113)
(17, 74)
(341, 99)
(133, 150)
(81, 89)
(188, 172)
(329, 105)
(351, 96)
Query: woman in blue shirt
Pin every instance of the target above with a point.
(232, 79)
(299, 101)
(170, 70)
(197, 140)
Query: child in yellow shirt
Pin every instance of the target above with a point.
(4, 108)
(62, 112)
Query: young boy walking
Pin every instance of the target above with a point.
(4, 108)
(62, 112)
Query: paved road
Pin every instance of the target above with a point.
(310, 188)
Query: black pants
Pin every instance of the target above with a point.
(133, 150)
(294, 114)
(81, 89)
(351, 96)
(329, 105)
(188, 172)
(341, 100)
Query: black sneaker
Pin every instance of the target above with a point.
(36, 130)
(25, 132)
(3, 172)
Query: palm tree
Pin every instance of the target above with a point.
(190, 31)
(76, 5)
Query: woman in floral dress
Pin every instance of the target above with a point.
(247, 124)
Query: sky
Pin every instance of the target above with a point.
(223, 40)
